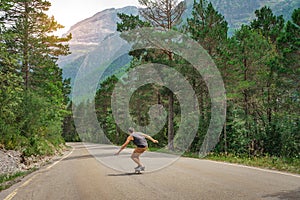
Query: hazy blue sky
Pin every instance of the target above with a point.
(68, 12)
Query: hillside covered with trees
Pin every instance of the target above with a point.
(33, 95)
(260, 68)
(91, 33)
(259, 64)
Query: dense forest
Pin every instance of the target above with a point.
(259, 64)
(33, 95)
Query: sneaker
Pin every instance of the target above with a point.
(137, 167)
(142, 168)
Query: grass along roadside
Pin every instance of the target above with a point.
(7, 180)
(290, 165)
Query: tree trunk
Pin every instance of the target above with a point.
(269, 109)
(246, 106)
(170, 122)
(26, 49)
(225, 139)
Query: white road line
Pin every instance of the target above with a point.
(49, 167)
(11, 195)
(255, 168)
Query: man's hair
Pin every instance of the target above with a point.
(131, 130)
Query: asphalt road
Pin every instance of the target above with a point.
(80, 175)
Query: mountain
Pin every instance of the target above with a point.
(237, 12)
(91, 34)
(88, 35)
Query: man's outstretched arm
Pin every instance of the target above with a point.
(150, 138)
(129, 138)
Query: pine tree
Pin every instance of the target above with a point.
(32, 41)
(281, 77)
(207, 26)
(165, 14)
(288, 85)
(29, 37)
(10, 87)
(244, 61)
(162, 13)
(130, 22)
(289, 47)
(269, 25)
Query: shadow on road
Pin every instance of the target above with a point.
(102, 148)
(78, 157)
(89, 156)
(286, 195)
(124, 174)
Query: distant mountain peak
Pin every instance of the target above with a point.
(94, 30)
(90, 33)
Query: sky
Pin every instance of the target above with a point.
(69, 12)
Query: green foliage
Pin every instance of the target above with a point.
(161, 14)
(33, 96)
(104, 112)
(289, 46)
(10, 90)
(259, 64)
(270, 25)
(5, 178)
(69, 132)
(268, 162)
(260, 79)
(130, 22)
(239, 12)
(207, 26)
(41, 124)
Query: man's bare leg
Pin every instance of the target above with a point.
(136, 158)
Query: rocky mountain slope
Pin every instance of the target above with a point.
(90, 34)
(237, 12)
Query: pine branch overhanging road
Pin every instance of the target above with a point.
(79, 176)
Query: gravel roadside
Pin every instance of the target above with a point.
(13, 161)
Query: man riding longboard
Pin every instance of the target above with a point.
(139, 139)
